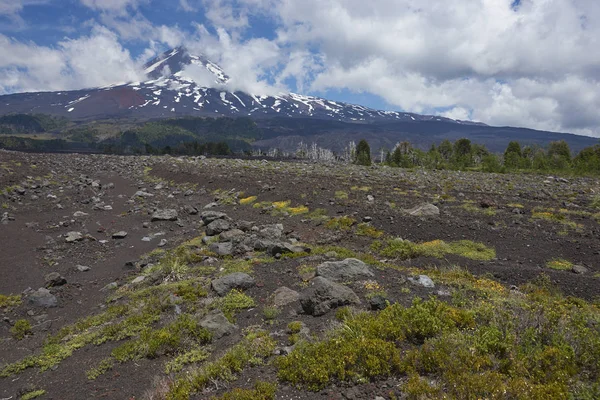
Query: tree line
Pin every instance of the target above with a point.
(465, 155)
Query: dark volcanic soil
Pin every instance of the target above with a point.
(44, 197)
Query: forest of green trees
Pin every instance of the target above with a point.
(464, 155)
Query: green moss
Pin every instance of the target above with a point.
(192, 356)
(261, 391)
(33, 395)
(368, 230)
(560, 264)
(341, 195)
(294, 327)
(318, 215)
(171, 338)
(252, 350)
(9, 301)
(20, 329)
(405, 249)
(270, 313)
(343, 223)
(102, 368)
(233, 302)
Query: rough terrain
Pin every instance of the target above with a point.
(82, 235)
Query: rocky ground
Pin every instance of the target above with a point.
(129, 277)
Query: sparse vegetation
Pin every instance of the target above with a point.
(559, 264)
(20, 329)
(404, 249)
(343, 223)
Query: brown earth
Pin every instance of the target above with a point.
(496, 210)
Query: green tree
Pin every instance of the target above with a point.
(363, 153)
(445, 149)
(462, 153)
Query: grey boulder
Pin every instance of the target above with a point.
(165, 215)
(217, 324)
(284, 296)
(346, 270)
(42, 298)
(210, 216)
(237, 280)
(424, 210)
(217, 226)
(54, 279)
(222, 249)
(325, 295)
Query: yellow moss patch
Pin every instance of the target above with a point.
(248, 200)
(559, 264)
(298, 210)
(281, 204)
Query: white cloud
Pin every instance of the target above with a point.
(111, 5)
(12, 7)
(89, 61)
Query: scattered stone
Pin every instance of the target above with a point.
(271, 231)
(325, 295)
(211, 205)
(579, 269)
(138, 280)
(210, 216)
(230, 235)
(217, 324)
(190, 209)
(424, 210)
(165, 215)
(82, 268)
(487, 203)
(222, 249)
(284, 296)
(74, 237)
(422, 280)
(163, 243)
(42, 298)
(237, 280)
(216, 227)
(367, 219)
(110, 286)
(119, 235)
(370, 198)
(341, 271)
(80, 214)
(54, 279)
(378, 303)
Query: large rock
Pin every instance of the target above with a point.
(165, 215)
(284, 296)
(222, 249)
(325, 295)
(217, 324)
(424, 210)
(346, 270)
(230, 235)
(74, 237)
(271, 232)
(422, 280)
(42, 298)
(54, 279)
(210, 216)
(217, 226)
(237, 280)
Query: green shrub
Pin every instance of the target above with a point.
(20, 329)
(261, 391)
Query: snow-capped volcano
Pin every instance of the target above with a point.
(180, 83)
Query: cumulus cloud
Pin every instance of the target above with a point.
(111, 5)
(89, 61)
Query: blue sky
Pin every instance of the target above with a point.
(531, 63)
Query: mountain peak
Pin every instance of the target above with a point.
(175, 63)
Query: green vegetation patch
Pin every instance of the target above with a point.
(560, 264)
(9, 301)
(261, 391)
(33, 395)
(20, 329)
(368, 230)
(252, 350)
(343, 223)
(233, 302)
(405, 249)
(540, 345)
